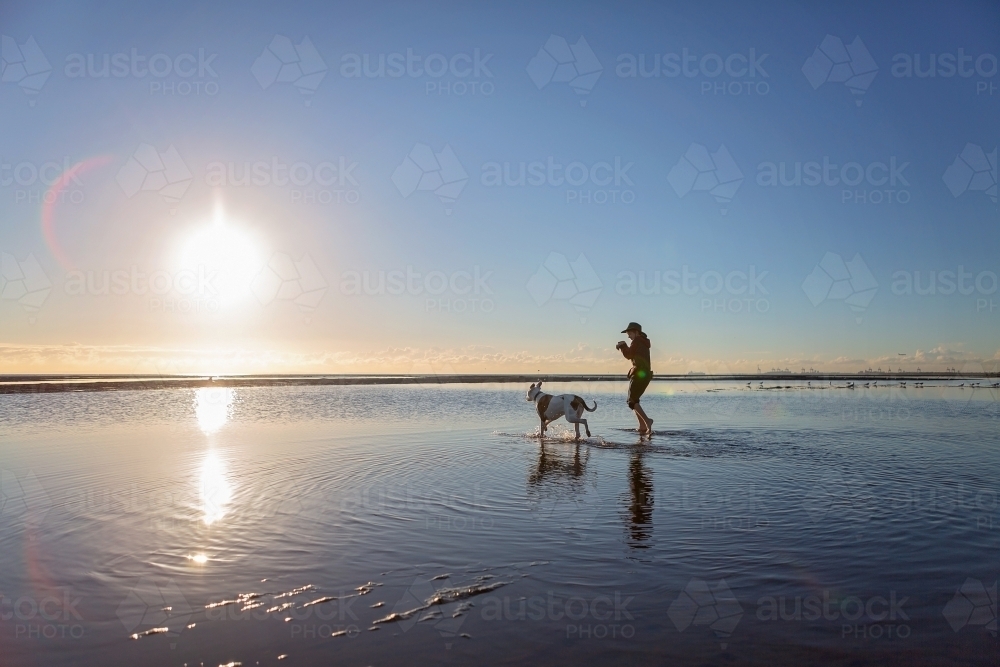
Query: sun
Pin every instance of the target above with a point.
(226, 257)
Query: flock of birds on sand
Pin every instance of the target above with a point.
(871, 385)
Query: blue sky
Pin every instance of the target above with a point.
(222, 109)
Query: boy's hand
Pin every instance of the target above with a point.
(621, 344)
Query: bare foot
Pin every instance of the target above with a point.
(649, 425)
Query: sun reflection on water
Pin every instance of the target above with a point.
(212, 407)
(215, 490)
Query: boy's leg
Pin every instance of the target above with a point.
(647, 423)
(642, 423)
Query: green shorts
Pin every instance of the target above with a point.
(637, 384)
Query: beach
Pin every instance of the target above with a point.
(393, 524)
(17, 384)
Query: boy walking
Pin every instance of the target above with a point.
(640, 374)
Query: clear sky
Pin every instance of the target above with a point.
(204, 188)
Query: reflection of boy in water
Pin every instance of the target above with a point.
(640, 374)
(640, 483)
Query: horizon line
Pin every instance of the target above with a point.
(39, 383)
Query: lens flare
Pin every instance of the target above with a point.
(53, 196)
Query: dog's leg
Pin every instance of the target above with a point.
(578, 419)
(575, 421)
(541, 430)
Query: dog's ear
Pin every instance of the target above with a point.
(539, 383)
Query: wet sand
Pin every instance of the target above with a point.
(429, 524)
(20, 384)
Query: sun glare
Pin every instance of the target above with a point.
(226, 258)
(215, 490)
(212, 407)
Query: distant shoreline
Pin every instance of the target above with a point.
(29, 384)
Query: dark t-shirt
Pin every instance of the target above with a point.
(638, 353)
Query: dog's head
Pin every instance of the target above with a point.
(533, 391)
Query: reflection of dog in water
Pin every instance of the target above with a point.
(551, 408)
(560, 486)
(554, 467)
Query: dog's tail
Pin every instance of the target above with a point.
(589, 409)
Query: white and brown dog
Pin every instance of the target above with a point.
(551, 408)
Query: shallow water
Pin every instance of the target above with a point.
(426, 524)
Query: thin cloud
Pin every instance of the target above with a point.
(579, 358)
